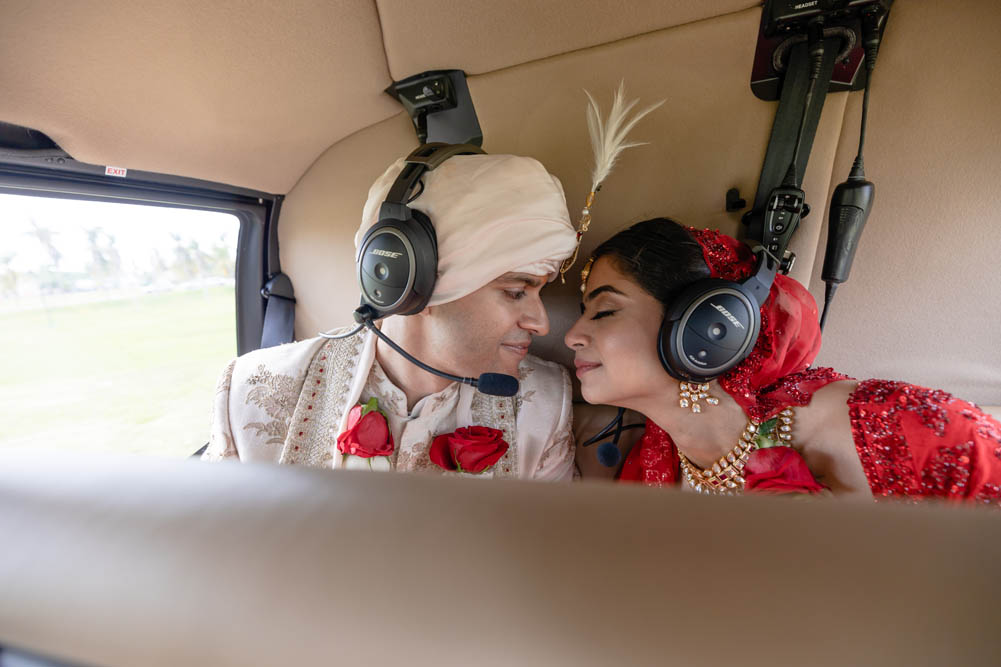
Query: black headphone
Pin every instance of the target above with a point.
(713, 324)
(397, 261)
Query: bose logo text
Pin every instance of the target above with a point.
(385, 253)
(726, 313)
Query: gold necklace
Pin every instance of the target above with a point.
(725, 476)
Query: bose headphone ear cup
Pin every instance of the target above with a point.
(397, 261)
(709, 328)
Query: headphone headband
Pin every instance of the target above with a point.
(397, 262)
(424, 158)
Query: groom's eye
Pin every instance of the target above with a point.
(515, 295)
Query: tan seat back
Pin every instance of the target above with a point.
(133, 562)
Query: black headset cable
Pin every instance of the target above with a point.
(852, 199)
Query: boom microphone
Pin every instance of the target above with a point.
(494, 384)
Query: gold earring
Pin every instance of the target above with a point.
(690, 393)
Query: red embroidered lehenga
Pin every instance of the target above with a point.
(912, 442)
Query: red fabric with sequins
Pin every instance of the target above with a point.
(912, 442)
(918, 442)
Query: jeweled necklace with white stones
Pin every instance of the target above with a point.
(725, 476)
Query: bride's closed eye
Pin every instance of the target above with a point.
(603, 313)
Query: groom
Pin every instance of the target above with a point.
(503, 229)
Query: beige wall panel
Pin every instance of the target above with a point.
(924, 295)
(481, 36)
(320, 217)
(710, 135)
(240, 92)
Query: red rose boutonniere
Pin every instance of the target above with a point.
(473, 449)
(367, 434)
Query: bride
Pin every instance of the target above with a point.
(771, 424)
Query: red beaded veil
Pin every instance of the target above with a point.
(772, 376)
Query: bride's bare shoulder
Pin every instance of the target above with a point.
(828, 443)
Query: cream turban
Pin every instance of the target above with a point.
(493, 214)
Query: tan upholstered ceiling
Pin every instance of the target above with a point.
(250, 92)
(488, 35)
(235, 91)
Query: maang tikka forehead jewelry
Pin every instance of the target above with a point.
(608, 140)
(690, 393)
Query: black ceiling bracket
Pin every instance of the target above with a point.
(439, 106)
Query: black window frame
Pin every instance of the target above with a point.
(52, 173)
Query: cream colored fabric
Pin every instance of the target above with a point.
(288, 404)
(127, 562)
(492, 214)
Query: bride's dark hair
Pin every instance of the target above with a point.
(659, 254)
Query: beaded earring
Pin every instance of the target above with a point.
(690, 393)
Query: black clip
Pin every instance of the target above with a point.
(733, 200)
(278, 285)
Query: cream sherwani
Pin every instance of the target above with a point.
(287, 404)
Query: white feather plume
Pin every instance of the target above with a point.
(608, 139)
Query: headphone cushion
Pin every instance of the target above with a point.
(425, 241)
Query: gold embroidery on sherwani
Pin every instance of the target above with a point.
(275, 395)
(221, 443)
(312, 436)
(501, 413)
(437, 415)
(391, 398)
(523, 397)
(416, 458)
(226, 379)
(562, 447)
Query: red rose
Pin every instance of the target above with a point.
(778, 470)
(367, 435)
(471, 449)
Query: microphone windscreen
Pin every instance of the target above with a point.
(609, 455)
(497, 384)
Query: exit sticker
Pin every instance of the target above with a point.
(120, 172)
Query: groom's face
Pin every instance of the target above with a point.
(489, 330)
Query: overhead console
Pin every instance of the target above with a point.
(805, 50)
(439, 106)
